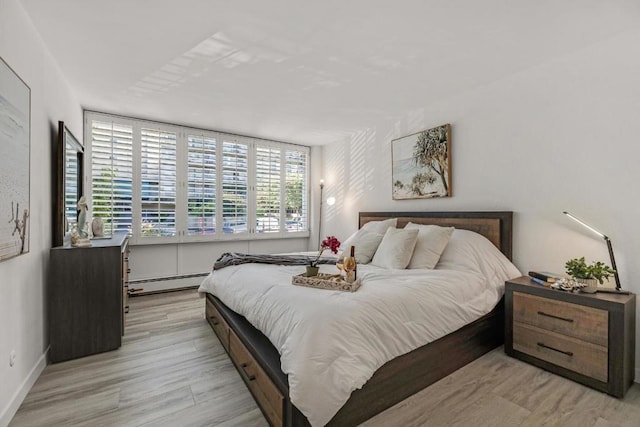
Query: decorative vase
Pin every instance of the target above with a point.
(592, 285)
(97, 227)
(312, 271)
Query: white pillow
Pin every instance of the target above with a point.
(396, 248)
(432, 240)
(469, 251)
(365, 243)
(376, 227)
(380, 227)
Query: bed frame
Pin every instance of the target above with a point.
(258, 362)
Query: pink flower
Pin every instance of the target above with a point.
(331, 242)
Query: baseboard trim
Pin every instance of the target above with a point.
(18, 397)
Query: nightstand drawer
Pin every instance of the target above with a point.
(570, 353)
(578, 321)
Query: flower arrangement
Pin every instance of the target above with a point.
(332, 243)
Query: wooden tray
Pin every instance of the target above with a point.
(332, 282)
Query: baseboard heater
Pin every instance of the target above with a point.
(163, 279)
(140, 291)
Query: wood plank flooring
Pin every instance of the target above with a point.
(172, 371)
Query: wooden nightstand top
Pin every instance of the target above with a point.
(599, 300)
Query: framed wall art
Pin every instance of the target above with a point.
(421, 164)
(15, 141)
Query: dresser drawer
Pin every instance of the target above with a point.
(578, 321)
(265, 392)
(217, 322)
(570, 353)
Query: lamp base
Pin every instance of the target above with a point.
(612, 291)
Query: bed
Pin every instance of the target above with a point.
(259, 362)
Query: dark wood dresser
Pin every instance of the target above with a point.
(87, 298)
(589, 338)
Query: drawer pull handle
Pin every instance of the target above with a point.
(249, 377)
(566, 319)
(214, 321)
(568, 353)
(128, 270)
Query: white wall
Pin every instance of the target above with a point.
(560, 136)
(23, 279)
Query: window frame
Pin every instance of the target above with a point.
(182, 175)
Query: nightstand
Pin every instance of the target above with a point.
(588, 338)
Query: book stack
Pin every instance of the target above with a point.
(543, 278)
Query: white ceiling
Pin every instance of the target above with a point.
(302, 71)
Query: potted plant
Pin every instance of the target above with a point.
(331, 242)
(588, 274)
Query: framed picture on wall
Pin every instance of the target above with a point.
(421, 164)
(15, 140)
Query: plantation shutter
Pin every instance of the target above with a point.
(165, 183)
(268, 183)
(72, 191)
(158, 183)
(234, 186)
(297, 202)
(201, 185)
(112, 174)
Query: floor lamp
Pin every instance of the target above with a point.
(617, 290)
(320, 217)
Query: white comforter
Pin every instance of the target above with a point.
(332, 342)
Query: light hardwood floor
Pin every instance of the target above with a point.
(172, 371)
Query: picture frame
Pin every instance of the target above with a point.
(15, 157)
(421, 164)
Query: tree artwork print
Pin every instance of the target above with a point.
(421, 164)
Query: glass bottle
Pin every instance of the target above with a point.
(350, 267)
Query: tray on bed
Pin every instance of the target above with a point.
(334, 282)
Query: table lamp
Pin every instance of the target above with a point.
(617, 290)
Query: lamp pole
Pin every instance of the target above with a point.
(320, 214)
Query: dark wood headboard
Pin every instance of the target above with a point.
(495, 226)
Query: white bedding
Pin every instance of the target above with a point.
(332, 342)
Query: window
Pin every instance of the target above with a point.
(168, 183)
(112, 174)
(201, 178)
(158, 183)
(296, 188)
(267, 189)
(235, 186)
